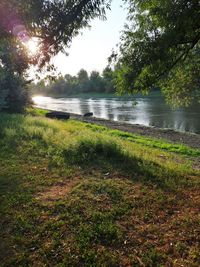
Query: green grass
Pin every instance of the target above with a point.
(77, 194)
(36, 111)
(151, 142)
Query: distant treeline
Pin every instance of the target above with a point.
(81, 83)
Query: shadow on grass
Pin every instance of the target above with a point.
(10, 126)
(13, 197)
(102, 153)
(88, 152)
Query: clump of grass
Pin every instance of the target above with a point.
(90, 150)
(36, 111)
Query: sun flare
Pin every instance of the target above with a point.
(32, 46)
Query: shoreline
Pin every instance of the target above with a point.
(189, 139)
(173, 136)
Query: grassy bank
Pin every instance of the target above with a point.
(76, 194)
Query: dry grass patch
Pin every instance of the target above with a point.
(58, 191)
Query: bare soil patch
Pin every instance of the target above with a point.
(58, 191)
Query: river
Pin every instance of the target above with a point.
(149, 110)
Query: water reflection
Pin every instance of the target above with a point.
(150, 111)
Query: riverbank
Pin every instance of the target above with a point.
(80, 194)
(189, 139)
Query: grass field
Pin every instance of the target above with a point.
(78, 194)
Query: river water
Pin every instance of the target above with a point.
(149, 111)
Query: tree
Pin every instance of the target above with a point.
(82, 80)
(53, 23)
(70, 83)
(161, 48)
(108, 78)
(82, 76)
(96, 82)
(13, 64)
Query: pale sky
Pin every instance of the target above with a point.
(91, 50)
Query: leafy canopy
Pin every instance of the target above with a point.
(53, 22)
(161, 48)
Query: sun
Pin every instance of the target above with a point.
(32, 46)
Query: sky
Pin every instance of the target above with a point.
(91, 49)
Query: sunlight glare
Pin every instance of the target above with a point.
(38, 100)
(32, 46)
